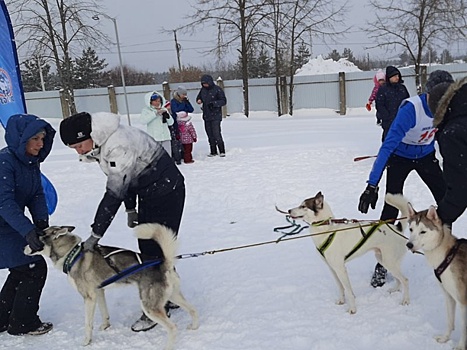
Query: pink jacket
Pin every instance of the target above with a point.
(187, 132)
(378, 76)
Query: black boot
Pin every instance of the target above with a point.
(379, 276)
(213, 151)
(221, 149)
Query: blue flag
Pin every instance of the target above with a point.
(11, 89)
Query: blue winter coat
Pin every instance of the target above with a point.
(20, 187)
(213, 99)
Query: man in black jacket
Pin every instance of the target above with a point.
(449, 100)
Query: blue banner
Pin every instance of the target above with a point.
(11, 89)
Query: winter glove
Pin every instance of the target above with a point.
(90, 243)
(32, 237)
(165, 116)
(368, 106)
(194, 140)
(132, 218)
(368, 197)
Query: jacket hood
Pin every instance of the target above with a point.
(445, 98)
(392, 71)
(379, 76)
(103, 125)
(207, 79)
(20, 128)
(147, 99)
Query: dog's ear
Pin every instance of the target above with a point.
(69, 228)
(318, 202)
(412, 211)
(63, 230)
(432, 214)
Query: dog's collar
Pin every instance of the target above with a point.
(448, 259)
(72, 258)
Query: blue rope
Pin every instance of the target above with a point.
(129, 271)
(295, 228)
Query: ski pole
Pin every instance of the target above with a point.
(357, 159)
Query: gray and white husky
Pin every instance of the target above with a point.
(87, 270)
(448, 256)
(356, 239)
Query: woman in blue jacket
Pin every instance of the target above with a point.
(29, 141)
(409, 145)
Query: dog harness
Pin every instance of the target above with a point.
(73, 256)
(449, 258)
(365, 235)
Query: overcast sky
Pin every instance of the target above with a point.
(144, 46)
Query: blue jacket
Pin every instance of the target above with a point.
(405, 120)
(20, 187)
(213, 99)
(178, 105)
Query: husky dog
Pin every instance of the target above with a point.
(356, 239)
(157, 284)
(448, 256)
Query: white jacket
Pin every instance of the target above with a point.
(153, 119)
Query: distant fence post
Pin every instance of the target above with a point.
(342, 98)
(112, 99)
(220, 83)
(283, 95)
(166, 91)
(423, 77)
(64, 104)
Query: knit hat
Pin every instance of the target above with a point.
(380, 75)
(76, 128)
(154, 97)
(183, 116)
(181, 91)
(437, 77)
(392, 71)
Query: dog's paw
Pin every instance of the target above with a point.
(104, 326)
(352, 310)
(442, 338)
(87, 341)
(340, 301)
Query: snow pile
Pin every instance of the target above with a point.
(319, 65)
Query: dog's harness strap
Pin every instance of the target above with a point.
(448, 259)
(129, 271)
(72, 257)
(365, 236)
(322, 248)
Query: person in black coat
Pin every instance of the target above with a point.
(449, 100)
(212, 98)
(389, 98)
(29, 141)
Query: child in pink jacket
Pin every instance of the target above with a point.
(379, 79)
(187, 135)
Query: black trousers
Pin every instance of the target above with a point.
(398, 168)
(166, 209)
(214, 133)
(19, 298)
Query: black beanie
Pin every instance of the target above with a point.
(75, 128)
(436, 93)
(437, 77)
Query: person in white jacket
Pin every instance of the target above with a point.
(157, 119)
(139, 173)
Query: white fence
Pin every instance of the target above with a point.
(313, 91)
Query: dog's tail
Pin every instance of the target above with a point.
(164, 236)
(401, 203)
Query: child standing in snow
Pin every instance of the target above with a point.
(187, 135)
(379, 80)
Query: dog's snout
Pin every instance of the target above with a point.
(409, 245)
(289, 211)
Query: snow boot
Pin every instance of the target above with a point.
(379, 276)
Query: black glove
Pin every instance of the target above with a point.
(368, 197)
(165, 116)
(211, 105)
(90, 243)
(132, 218)
(32, 237)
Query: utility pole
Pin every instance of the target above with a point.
(177, 48)
(41, 76)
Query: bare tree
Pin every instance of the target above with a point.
(417, 25)
(239, 28)
(55, 30)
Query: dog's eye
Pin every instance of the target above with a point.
(302, 206)
(422, 232)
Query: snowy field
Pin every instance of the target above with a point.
(276, 296)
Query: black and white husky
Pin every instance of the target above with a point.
(448, 257)
(157, 284)
(342, 242)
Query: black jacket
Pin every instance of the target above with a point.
(213, 99)
(451, 120)
(389, 98)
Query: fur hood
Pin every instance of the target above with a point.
(443, 106)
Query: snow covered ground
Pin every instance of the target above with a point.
(276, 296)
